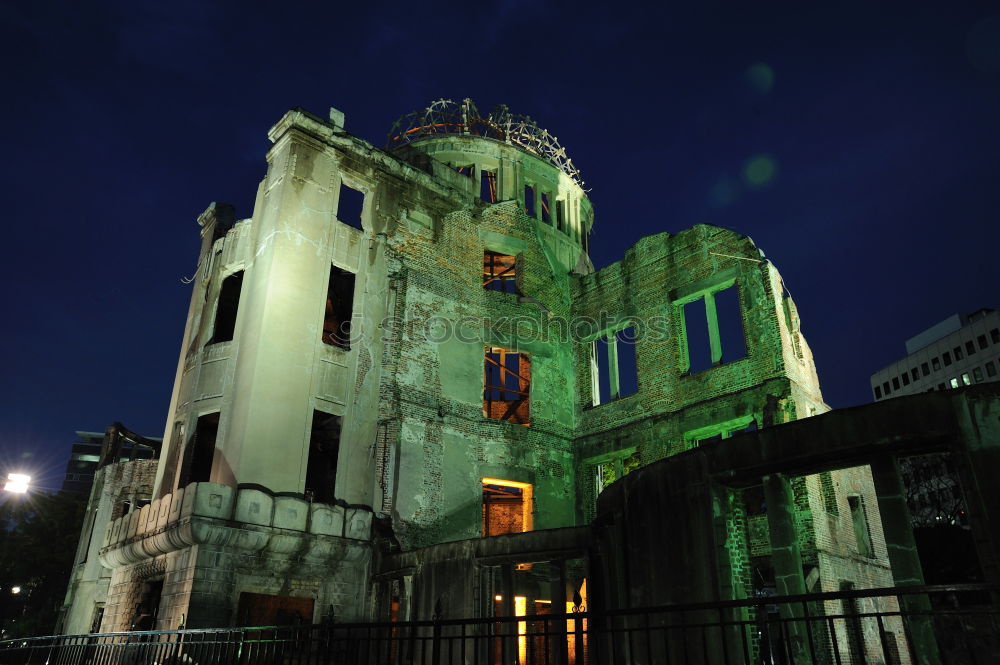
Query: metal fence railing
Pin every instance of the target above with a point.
(948, 625)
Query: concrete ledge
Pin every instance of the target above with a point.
(248, 519)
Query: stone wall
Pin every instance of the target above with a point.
(208, 543)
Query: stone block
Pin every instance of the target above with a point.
(290, 513)
(254, 507)
(144, 513)
(326, 520)
(359, 524)
(131, 523)
(213, 500)
(176, 504)
(187, 504)
(163, 512)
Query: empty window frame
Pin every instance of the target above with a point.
(499, 272)
(712, 329)
(613, 366)
(970, 348)
(507, 507)
(530, 209)
(991, 369)
(199, 454)
(324, 449)
(546, 207)
(886, 389)
(719, 431)
(561, 217)
(977, 375)
(878, 392)
(507, 385)
(488, 186)
(226, 308)
(859, 519)
(995, 335)
(350, 205)
(467, 170)
(895, 383)
(915, 374)
(925, 369)
(906, 378)
(608, 469)
(981, 339)
(338, 308)
(936, 364)
(958, 353)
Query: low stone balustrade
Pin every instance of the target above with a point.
(248, 519)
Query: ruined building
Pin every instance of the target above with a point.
(403, 386)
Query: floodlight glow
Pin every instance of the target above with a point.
(17, 483)
(15, 589)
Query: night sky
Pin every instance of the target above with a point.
(859, 148)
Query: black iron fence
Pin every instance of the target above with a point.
(949, 625)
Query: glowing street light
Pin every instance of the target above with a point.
(15, 590)
(17, 483)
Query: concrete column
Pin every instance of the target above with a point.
(903, 556)
(714, 339)
(786, 559)
(613, 388)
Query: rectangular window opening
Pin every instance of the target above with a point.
(350, 205)
(696, 331)
(936, 364)
(977, 375)
(859, 518)
(561, 215)
(925, 369)
(488, 186)
(199, 454)
(991, 369)
(729, 316)
(958, 353)
(227, 308)
(617, 374)
(953, 382)
(915, 374)
(465, 170)
(338, 308)
(966, 380)
(885, 388)
(946, 357)
(499, 272)
(981, 339)
(507, 385)
(970, 348)
(324, 449)
(878, 392)
(995, 336)
(906, 378)
(529, 201)
(507, 507)
(546, 208)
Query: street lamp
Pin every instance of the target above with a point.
(17, 483)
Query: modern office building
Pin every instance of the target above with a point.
(959, 351)
(85, 457)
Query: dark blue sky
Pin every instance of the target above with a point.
(123, 122)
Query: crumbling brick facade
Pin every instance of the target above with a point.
(423, 409)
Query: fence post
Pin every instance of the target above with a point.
(436, 634)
